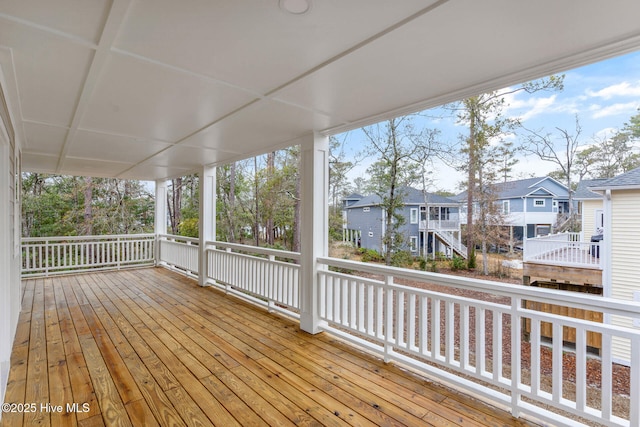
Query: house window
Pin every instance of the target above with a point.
(413, 243)
(543, 230)
(538, 203)
(414, 215)
(505, 207)
(367, 209)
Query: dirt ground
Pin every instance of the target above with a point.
(621, 381)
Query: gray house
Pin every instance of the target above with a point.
(432, 223)
(530, 207)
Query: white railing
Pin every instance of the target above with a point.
(440, 224)
(271, 277)
(477, 341)
(179, 253)
(565, 249)
(44, 256)
(450, 239)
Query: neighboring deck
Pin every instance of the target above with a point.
(148, 347)
(563, 258)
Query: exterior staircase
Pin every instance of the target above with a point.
(449, 239)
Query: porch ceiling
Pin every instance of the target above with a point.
(151, 89)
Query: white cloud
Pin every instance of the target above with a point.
(599, 111)
(620, 89)
(605, 133)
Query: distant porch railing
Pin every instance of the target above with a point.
(440, 224)
(44, 256)
(565, 249)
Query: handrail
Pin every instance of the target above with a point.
(255, 249)
(45, 256)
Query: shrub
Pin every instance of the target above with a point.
(439, 256)
(457, 263)
(471, 263)
(433, 266)
(370, 255)
(401, 259)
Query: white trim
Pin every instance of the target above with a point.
(536, 205)
(207, 222)
(413, 215)
(506, 203)
(314, 167)
(413, 243)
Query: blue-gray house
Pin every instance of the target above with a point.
(530, 207)
(432, 223)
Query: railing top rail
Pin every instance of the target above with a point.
(256, 250)
(566, 236)
(564, 298)
(92, 237)
(176, 237)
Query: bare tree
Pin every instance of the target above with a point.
(560, 149)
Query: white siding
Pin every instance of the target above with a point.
(625, 256)
(589, 208)
(9, 241)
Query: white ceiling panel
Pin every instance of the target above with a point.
(50, 72)
(79, 18)
(116, 148)
(190, 157)
(137, 98)
(90, 167)
(254, 44)
(45, 139)
(144, 171)
(263, 124)
(36, 162)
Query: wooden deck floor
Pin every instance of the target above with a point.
(149, 347)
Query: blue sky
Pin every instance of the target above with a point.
(603, 95)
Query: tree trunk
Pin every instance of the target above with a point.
(232, 202)
(269, 225)
(295, 245)
(471, 184)
(175, 205)
(88, 210)
(256, 224)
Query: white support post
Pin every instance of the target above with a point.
(160, 221)
(207, 222)
(314, 225)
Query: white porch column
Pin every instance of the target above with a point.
(314, 225)
(207, 222)
(160, 220)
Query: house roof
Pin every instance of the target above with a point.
(583, 191)
(153, 89)
(520, 188)
(353, 196)
(629, 180)
(411, 196)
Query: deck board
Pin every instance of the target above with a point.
(150, 347)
